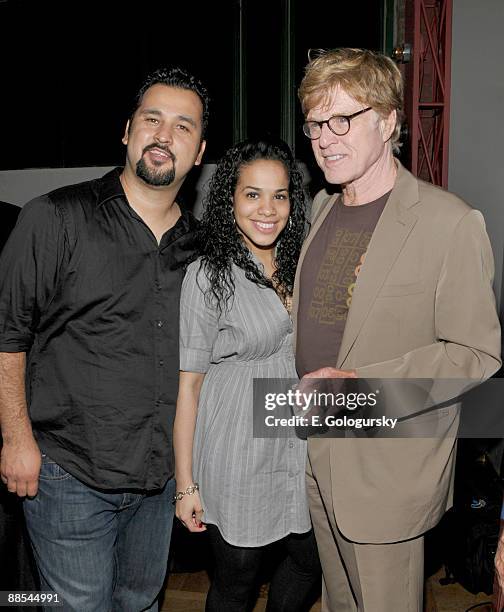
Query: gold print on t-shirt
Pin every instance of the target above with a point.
(337, 274)
(351, 287)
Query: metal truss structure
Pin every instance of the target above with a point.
(427, 54)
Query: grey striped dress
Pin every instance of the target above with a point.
(252, 489)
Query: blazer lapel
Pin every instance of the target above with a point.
(320, 216)
(389, 236)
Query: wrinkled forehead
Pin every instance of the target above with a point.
(334, 101)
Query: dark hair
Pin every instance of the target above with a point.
(176, 77)
(220, 242)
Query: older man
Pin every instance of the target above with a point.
(394, 281)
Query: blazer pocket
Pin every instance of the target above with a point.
(402, 289)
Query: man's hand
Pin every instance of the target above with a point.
(306, 384)
(310, 383)
(329, 372)
(20, 460)
(20, 465)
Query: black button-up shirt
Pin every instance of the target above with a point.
(88, 293)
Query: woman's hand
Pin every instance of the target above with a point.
(190, 513)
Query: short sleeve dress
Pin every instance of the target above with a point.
(252, 489)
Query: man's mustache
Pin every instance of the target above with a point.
(162, 148)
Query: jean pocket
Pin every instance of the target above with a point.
(50, 470)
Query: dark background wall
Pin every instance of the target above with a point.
(70, 69)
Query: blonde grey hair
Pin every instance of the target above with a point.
(371, 78)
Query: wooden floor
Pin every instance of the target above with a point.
(186, 593)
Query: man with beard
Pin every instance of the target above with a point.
(89, 312)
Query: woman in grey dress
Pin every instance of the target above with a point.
(235, 326)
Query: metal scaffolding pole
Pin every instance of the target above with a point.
(427, 51)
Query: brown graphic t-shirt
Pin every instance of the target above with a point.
(328, 275)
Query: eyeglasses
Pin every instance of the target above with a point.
(338, 124)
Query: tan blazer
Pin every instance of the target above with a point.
(423, 307)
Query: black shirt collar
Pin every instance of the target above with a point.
(110, 187)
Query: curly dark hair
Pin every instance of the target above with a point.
(221, 244)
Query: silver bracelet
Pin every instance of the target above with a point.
(189, 491)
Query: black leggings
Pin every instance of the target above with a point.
(236, 571)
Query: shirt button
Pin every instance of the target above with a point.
(159, 323)
(291, 474)
(161, 362)
(291, 444)
(157, 402)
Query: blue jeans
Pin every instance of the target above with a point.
(100, 552)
